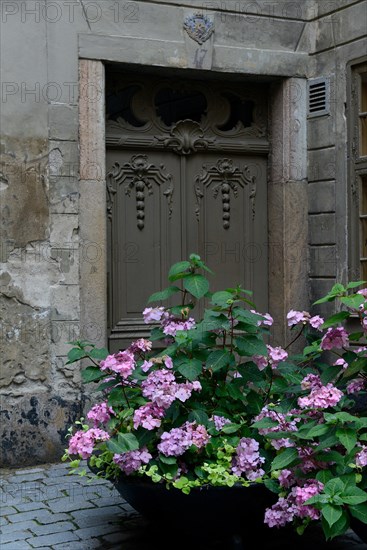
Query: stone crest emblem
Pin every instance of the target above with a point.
(199, 27)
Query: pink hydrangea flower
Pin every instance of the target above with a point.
(281, 513)
(356, 386)
(316, 321)
(178, 440)
(146, 366)
(361, 457)
(140, 345)
(267, 321)
(149, 416)
(341, 363)
(285, 423)
(260, 361)
(334, 338)
(294, 317)
(363, 291)
(100, 413)
(131, 461)
(286, 478)
(168, 362)
(123, 363)
(311, 381)
(220, 421)
(276, 355)
(321, 397)
(154, 314)
(174, 325)
(83, 443)
(286, 509)
(248, 460)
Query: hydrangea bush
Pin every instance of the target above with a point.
(211, 401)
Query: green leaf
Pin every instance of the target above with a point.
(144, 436)
(179, 267)
(347, 437)
(324, 476)
(219, 359)
(334, 486)
(199, 416)
(163, 294)
(286, 458)
(354, 495)
(338, 528)
(99, 353)
(353, 301)
(197, 285)
(272, 485)
(221, 298)
(331, 513)
(191, 369)
(355, 284)
(76, 354)
(335, 319)
(318, 430)
(359, 511)
(231, 428)
(355, 367)
(265, 423)
(250, 345)
(92, 374)
(123, 443)
(168, 459)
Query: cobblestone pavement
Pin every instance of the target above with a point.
(44, 507)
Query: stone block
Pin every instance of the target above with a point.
(63, 122)
(322, 229)
(64, 229)
(15, 536)
(63, 158)
(321, 164)
(322, 261)
(61, 333)
(318, 289)
(321, 132)
(68, 259)
(65, 303)
(47, 540)
(63, 195)
(350, 23)
(321, 197)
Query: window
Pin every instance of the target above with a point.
(358, 171)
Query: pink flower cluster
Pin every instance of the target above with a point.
(220, 421)
(83, 443)
(320, 397)
(247, 459)
(100, 413)
(161, 388)
(356, 386)
(286, 509)
(336, 337)
(294, 317)
(140, 345)
(361, 457)
(267, 321)
(285, 423)
(178, 440)
(131, 461)
(275, 356)
(169, 323)
(122, 363)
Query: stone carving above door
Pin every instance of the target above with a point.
(224, 178)
(188, 116)
(139, 175)
(199, 27)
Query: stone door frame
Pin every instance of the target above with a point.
(287, 199)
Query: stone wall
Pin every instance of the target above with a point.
(44, 250)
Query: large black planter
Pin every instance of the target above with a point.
(234, 512)
(359, 528)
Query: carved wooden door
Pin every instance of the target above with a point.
(186, 172)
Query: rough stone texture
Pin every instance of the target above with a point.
(321, 197)
(322, 229)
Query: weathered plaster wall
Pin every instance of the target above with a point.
(44, 247)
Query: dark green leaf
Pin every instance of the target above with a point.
(179, 267)
(359, 511)
(334, 486)
(354, 495)
(76, 354)
(219, 359)
(338, 528)
(353, 301)
(163, 294)
(168, 459)
(197, 285)
(335, 319)
(287, 458)
(191, 369)
(123, 443)
(324, 476)
(347, 437)
(357, 366)
(92, 374)
(272, 485)
(331, 513)
(231, 428)
(144, 436)
(355, 284)
(250, 345)
(199, 416)
(265, 423)
(99, 353)
(221, 298)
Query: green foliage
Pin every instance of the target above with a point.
(223, 384)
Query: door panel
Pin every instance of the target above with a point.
(177, 186)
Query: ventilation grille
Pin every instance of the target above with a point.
(318, 97)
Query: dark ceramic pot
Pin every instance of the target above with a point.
(359, 528)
